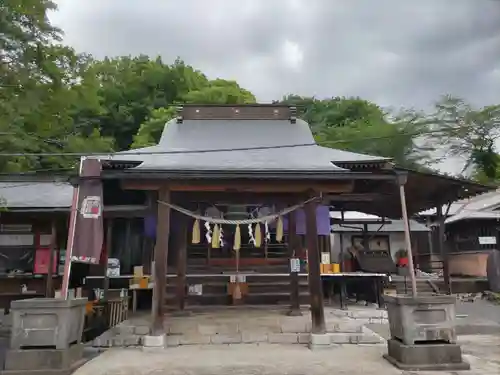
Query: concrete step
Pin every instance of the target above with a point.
(423, 286)
(277, 287)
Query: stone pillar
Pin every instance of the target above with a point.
(46, 336)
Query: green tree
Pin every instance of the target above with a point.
(360, 126)
(150, 131)
(132, 87)
(218, 91)
(41, 90)
(470, 133)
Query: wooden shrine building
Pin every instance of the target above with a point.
(239, 162)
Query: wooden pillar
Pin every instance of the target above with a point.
(49, 286)
(365, 240)
(341, 243)
(109, 243)
(315, 285)
(442, 248)
(160, 261)
(181, 261)
(404, 213)
(294, 276)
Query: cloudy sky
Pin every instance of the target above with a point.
(394, 52)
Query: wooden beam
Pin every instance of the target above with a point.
(294, 277)
(359, 197)
(160, 259)
(291, 186)
(182, 237)
(227, 198)
(109, 243)
(442, 248)
(315, 285)
(49, 287)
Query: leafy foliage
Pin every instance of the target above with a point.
(358, 125)
(469, 133)
(218, 91)
(54, 100)
(132, 87)
(41, 91)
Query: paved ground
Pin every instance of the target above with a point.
(480, 309)
(480, 351)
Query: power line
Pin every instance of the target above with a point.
(202, 151)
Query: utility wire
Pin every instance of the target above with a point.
(201, 151)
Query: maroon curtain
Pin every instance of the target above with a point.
(88, 237)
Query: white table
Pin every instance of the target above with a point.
(376, 278)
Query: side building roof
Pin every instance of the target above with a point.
(36, 195)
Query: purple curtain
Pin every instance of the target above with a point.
(322, 220)
(150, 226)
(150, 223)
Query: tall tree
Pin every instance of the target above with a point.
(132, 87)
(358, 125)
(41, 89)
(218, 91)
(470, 133)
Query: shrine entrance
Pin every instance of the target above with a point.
(237, 195)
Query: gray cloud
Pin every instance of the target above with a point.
(396, 53)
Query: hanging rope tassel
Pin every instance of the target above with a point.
(258, 235)
(279, 230)
(236, 247)
(215, 237)
(196, 236)
(237, 291)
(237, 239)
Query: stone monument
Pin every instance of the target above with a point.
(46, 336)
(423, 333)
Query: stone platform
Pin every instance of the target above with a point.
(43, 361)
(248, 325)
(426, 357)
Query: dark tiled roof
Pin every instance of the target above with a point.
(284, 146)
(26, 194)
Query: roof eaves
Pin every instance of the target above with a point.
(243, 174)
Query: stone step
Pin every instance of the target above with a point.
(276, 287)
(269, 298)
(351, 335)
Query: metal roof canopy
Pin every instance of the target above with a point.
(246, 140)
(424, 190)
